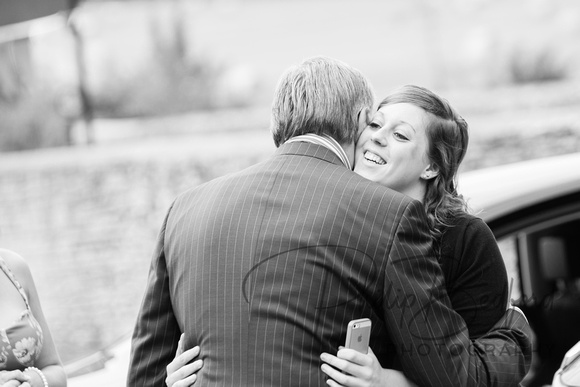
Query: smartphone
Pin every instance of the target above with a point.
(358, 334)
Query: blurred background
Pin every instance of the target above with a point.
(108, 109)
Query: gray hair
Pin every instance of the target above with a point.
(319, 96)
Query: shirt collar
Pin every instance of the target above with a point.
(327, 142)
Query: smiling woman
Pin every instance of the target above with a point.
(393, 150)
(422, 140)
(415, 144)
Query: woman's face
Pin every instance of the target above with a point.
(392, 149)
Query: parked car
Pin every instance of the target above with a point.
(569, 373)
(533, 208)
(106, 367)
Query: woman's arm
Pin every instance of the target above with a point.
(48, 363)
(355, 369)
(475, 274)
(478, 287)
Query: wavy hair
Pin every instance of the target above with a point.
(447, 136)
(319, 96)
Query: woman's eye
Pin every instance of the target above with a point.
(375, 125)
(400, 136)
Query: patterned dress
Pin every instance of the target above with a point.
(20, 343)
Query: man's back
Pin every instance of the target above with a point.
(264, 268)
(267, 266)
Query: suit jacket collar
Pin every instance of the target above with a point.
(309, 150)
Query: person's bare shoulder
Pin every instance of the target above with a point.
(17, 265)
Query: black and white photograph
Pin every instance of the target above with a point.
(281, 193)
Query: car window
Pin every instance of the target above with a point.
(549, 256)
(508, 248)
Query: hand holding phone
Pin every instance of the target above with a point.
(358, 334)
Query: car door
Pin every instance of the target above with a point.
(541, 248)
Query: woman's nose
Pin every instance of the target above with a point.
(379, 137)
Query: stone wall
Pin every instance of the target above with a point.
(86, 224)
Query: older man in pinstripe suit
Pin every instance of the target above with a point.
(265, 267)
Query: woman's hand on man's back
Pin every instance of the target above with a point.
(181, 372)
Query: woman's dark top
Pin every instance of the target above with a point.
(475, 273)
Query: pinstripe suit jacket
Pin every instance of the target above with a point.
(265, 267)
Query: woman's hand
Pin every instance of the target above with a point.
(352, 368)
(13, 378)
(180, 372)
(355, 369)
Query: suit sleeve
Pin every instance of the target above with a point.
(431, 339)
(156, 332)
(506, 350)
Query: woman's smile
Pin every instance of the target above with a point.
(374, 158)
(392, 149)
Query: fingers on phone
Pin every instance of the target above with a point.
(336, 377)
(333, 361)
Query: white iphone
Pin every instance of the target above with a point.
(358, 334)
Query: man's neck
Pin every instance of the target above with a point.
(349, 150)
(331, 144)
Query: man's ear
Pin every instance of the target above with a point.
(430, 172)
(364, 118)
